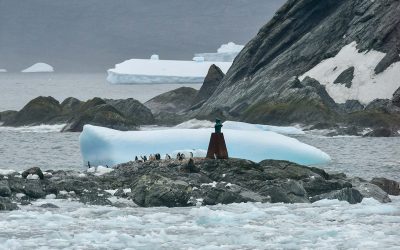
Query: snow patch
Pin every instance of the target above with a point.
(7, 171)
(142, 71)
(99, 170)
(366, 85)
(39, 68)
(32, 177)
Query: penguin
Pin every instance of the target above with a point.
(167, 157)
(136, 158)
(144, 158)
(106, 166)
(88, 164)
(191, 154)
(178, 156)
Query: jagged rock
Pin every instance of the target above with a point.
(5, 190)
(350, 195)
(378, 104)
(38, 111)
(391, 57)
(346, 77)
(7, 204)
(35, 170)
(210, 84)
(389, 186)
(260, 86)
(380, 132)
(133, 109)
(396, 98)
(34, 189)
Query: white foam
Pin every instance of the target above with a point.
(44, 128)
(366, 85)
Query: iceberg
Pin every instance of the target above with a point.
(39, 68)
(104, 146)
(142, 71)
(3, 71)
(225, 53)
(194, 124)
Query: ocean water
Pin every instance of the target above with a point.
(321, 225)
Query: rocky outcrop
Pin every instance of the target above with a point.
(396, 98)
(168, 108)
(198, 181)
(132, 108)
(381, 132)
(97, 112)
(38, 111)
(389, 186)
(7, 116)
(210, 84)
(261, 85)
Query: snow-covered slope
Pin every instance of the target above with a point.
(225, 53)
(366, 85)
(39, 68)
(161, 71)
(103, 146)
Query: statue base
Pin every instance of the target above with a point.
(217, 147)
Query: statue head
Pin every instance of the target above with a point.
(218, 125)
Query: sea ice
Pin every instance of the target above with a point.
(225, 53)
(142, 71)
(366, 85)
(194, 123)
(102, 146)
(39, 68)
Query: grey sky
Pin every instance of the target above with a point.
(92, 35)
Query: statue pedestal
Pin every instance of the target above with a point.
(217, 147)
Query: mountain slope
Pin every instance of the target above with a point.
(263, 86)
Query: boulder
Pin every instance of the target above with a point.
(389, 186)
(70, 105)
(350, 195)
(5, 190)
(33, 171)
(34, 189)
(38, 111)
(133, 109)
(7, 205)
(380, 132)
(351, 106)
(369, 190)
(7, 116)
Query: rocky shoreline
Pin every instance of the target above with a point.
(174, 183)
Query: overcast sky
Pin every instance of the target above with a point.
(93, 35)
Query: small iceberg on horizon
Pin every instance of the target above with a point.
(104, 146)
(225, 53)
(39, 68)
(3, 71)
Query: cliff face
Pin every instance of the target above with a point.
(263, 83)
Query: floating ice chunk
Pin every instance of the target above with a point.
(39, 68)
(225, 53)
(198, 59)
(107, 146)
(50, 196)
(155, 57)
(194, 123)
(141, 71)
(366, 85)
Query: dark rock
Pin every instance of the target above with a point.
(378, 104)
(317, 185)
(38, 111)
(34, 170)
(210, 84)
(346, 77)
(389, 186)
(369, 190)
(350, 195)
(190, 167)
(133, 109)
(396, 98)
(96, 112)
(7, 116)
(380, 132)
(49, 205)
(5, 190)
(7, 204)
(350, 130)
(351, 106)
(71, 105)
(391, 57)
(34, 189)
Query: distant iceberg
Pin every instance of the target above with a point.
(103, 146)
(194, 124)
(142, 71)
(3, 71)
(39, 68)
(225, 53)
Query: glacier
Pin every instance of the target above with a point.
(194, 123)
(39, 68)
(225, 53)
(143, 71)
(366, 85)
(104, 146)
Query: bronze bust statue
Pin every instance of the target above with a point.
(218, 126)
